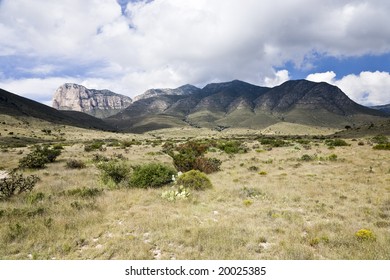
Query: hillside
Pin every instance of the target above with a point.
(17, 106)
(239, 104)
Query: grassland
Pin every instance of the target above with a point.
(302, 200)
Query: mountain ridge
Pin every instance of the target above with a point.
(237, 103)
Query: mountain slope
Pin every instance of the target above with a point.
(14, 105)
(383, 108)
(239, 104)
(183, 90)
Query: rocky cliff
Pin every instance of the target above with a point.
(98, 103)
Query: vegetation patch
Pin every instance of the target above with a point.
(114, 172)
(365, 235)
(75, 164)
(39, 157)
(151, 175)
(336, 143)
(16, 183)
(194, 180)
(181, 193)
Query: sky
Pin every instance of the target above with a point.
(131, 46)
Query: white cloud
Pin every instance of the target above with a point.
(279, 77)
(367, 88)
(172, 42)
(322, 77)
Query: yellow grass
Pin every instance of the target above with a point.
(294, 210)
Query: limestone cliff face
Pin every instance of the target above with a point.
(98, 103)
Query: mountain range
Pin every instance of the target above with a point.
(234, 104)
(240, 104)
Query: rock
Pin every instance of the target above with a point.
(98, 103)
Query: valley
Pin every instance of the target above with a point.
(271, 188)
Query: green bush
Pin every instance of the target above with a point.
(232, 147)
(152, 175)
(273, 142)
(39, 157)
(382, 146)
(195, 180)
(33, 160)
(307, 157)
(114, 171)
(380, 139)
(336, 143)
(15, 183)
(75, 164)
(96, 145)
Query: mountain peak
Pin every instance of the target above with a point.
(98, 103)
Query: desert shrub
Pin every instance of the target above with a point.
(180, 193)
(152, 175)
(247, 202)
(96, 145)
(33, 198)
(306, 157)
(192, 148)
(195, 180)
(75, 164)
(273, 142)
(336, 143)
(39, 157)
(365, 235)
(232, 147)
(33, 160)
(380, 139)
(15, 184)
(207, 165)
(263, 173)
(332, 157)
(382, 146)
(58, 146)
(251, 193)
(253, 168)
(114, 171)
(99, 158)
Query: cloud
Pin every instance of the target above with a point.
(135, 45)
(280, 77)
(367, 88)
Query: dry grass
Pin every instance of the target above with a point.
(295, 210)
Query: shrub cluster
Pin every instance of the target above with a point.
(336, 143)
(114, 171)
(15, 183)
(232, 147)
(382, 147)
(39, 157)
(274, 142)
(96, 145)
(194, 180)
(180, 194)
(190, 156)
(151, 175)
(75, 164)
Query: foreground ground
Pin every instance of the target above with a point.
(301, 201)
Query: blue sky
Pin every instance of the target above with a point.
(131, 46)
